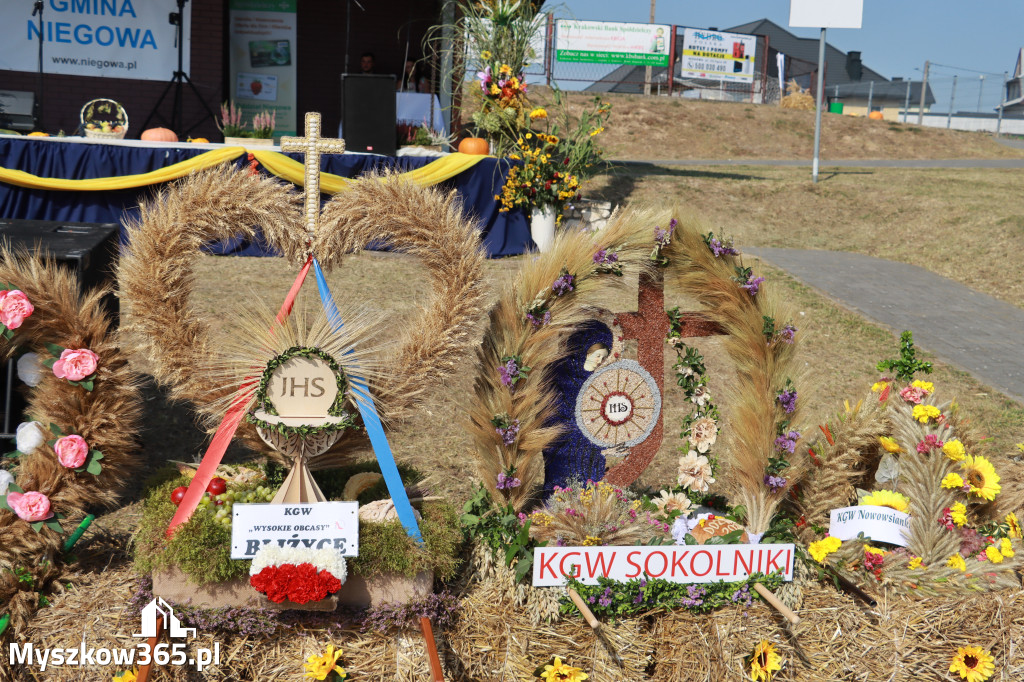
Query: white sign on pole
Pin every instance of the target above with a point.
(610, 42)
(881, 524)
(718, 56)
(826, 13)
(106, 38)
(675, 563)
(307, 526)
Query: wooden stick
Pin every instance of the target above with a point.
(767, 595)
(435, 660)
(853, 589)
(144, 670)
(585, 611)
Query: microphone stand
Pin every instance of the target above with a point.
(37, 108)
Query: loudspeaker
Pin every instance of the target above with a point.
(368, 115)
(89, 249)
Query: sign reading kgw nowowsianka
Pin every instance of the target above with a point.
(881, 524)
(676, 563)
(310, 526)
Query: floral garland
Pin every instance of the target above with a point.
(297, 574)
(262, 399)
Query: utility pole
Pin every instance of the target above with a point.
(647, 70)
(952, 100)
(981, 87)
(871, 95)
(924, 89)
(819, 95)
(906, 101)
(1002, 101)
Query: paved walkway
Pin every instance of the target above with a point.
(971, 330)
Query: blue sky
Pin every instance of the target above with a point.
(895, 40)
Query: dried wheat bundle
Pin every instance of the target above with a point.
(797, 98)
(108, 418)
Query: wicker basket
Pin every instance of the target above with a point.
(104, 111)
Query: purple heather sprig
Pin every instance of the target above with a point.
(720, 247)
(774, 483)
(607, 261)
(787, 333)
(694, 596)
(506, 427)
(512, 371)
(787, 442)
(564, 284)
(787, 397)
(538, 318)
(507, 481)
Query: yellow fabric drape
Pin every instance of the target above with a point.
(172, 172)
(280, 165)
(433, 173)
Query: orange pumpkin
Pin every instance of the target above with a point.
(158, 135)
(876, 116)
(474, 145)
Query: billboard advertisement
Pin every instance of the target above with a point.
(105, 38)
(719, 56)
(609, 42)
(262, 38)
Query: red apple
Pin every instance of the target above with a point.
(217, 486)
(178, 494)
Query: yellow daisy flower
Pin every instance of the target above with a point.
(560, 672)
(879, 386)
(994, 555)
(764, 662)
(539, 112)
(1006, 548)
(981, 476)
(320, 667)
(954, 449)
(887, 498)
(126, 676)
(924, 386)
(890, 444)
(923, 413)
(914, 563)
(957, 561)
(953, 481)
(591, 541)
(505, 69)
(486, 55)
(822, 548)
(973, 663)
(597, 131)
(958, 512)
(1014, 530)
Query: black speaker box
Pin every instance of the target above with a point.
(368, 114)
(89, 249)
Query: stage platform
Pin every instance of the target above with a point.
(503, 234)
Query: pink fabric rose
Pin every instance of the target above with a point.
(75, 365)
(14, 308)
(30, 506)
(72, 451)
(913, 394)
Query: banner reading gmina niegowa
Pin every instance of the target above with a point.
(610, 42)
(105, 38)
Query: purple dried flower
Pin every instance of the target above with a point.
(787, 333)
(774, 483)
(606, 598)
(564, 284)
(722, 248)
(787, 399)
(694, 596)
(752, 285)
(538, 320)
(509, 372)
(508, 433)
(787, 442)
(507, 481)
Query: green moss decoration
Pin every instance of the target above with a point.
(332, 481)
(387, 548)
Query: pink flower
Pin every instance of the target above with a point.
(75, 365)
(912, 394)
(14, 308)
(30, 506)
(72, 451)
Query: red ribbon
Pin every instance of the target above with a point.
(226, 430)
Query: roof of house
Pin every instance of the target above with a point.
(888, 91)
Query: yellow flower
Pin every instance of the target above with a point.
(592, 541)
(981, 476)
(505, 69)
(1014, 526)
(822, 548)
(485, 55)
(958, 512)
(495, 90)
(319, 667)
(764, 662)
(924, 386)
(874, 550)
(954, 449)
(887, 498)
(597, 131)
(973, 663)
(1006, 548)
(560, 672)
(879, 386)
(126, 676)
(914, 563)
(542, 518)
(890, 444)
(994, 555)
(539, 112)
(923, 413)
(956, 561)
(528, 136)
(953, 481)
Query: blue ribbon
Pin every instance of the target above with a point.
(371, 421)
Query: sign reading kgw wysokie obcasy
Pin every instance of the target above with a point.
(321, 525)
(675, 563)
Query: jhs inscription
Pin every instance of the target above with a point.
(310, 388)
(303, 387)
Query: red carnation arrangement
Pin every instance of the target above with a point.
(297, 575)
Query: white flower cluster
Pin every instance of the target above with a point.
(329, 560)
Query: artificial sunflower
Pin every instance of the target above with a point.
(887, 498)
(973, 663)
(556, 671)
(1013, 526)
(764, 662)
(979, 473)
(321, 667)
(126, 676)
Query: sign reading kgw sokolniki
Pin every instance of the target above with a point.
(309, 526)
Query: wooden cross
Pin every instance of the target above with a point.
(649, 326)
(312, 145)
